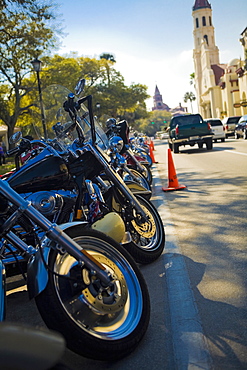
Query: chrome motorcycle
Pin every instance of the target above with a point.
(79, 182)
(86, 286)
(137, 159)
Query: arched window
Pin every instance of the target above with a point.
(210, 21)
(206, 38)
(197, 23)
(203, 21)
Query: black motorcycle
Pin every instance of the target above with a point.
(59, 173)
(86, 286)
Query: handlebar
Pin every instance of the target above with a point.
(12, 152)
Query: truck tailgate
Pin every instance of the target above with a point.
(193, 131)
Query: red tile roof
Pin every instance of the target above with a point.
(219, 71)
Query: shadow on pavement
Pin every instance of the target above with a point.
(226, 325)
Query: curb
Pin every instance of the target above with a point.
(189, 343)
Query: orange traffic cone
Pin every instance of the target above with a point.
(172, 176)
(151, 144)
(151, 154)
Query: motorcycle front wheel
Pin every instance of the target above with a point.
(97, 321)
(148, 238)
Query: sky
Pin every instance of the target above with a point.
(152, 40)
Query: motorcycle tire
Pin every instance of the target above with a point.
(98, 322)
(148, 239)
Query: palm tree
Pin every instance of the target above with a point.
(192, 79)
(191, 97)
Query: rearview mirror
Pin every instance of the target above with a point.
(80, 86)
(17, 136)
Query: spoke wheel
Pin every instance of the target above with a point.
(148, 238)
(97, 321)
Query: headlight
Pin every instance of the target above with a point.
(116, 143)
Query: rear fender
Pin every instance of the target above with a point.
(37, 274)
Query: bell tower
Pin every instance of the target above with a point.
(158, 101)
(205, 53)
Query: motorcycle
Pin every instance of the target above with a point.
(86, 285)
(136, 158)
(128, 174)
(73, 170)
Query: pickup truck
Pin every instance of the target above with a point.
(189, 129)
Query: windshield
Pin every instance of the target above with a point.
(59, 124)
(186, 120)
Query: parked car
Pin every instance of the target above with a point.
(241, 128)
(161, 135)
(217, 128)
(189, 129)
(164, 135)
(230, 123)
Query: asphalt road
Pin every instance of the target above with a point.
(209, 219)
(206, 223)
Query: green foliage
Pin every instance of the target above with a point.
(103, 82)
(156, 121)
(108, 56)
(24, 33)
(28, 31)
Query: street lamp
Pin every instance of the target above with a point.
(37, 68)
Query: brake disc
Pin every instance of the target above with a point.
(108, 299)
(146, 229)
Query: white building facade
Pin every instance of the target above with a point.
(220, 87)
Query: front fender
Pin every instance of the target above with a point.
(37, 274)
(137, 188)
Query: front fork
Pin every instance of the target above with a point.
(52, 231)
(37, 274)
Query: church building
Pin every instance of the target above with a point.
(158, 101)
(158, 104)
(221, 88)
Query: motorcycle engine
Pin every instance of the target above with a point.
(46, 202)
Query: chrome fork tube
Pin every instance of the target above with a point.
(52, 230)
(118, 181)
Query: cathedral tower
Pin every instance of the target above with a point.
(205, 53)
(158, 101)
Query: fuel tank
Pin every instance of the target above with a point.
(46, 171)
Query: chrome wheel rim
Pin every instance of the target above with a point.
(111, 314)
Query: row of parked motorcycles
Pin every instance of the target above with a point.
(76, 216)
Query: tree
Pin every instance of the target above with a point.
(108, 61)
(108, 56)
(157, 120)
(107, 87)
(116, 99)
(24, 35)
(192, 79)
(191, 97)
